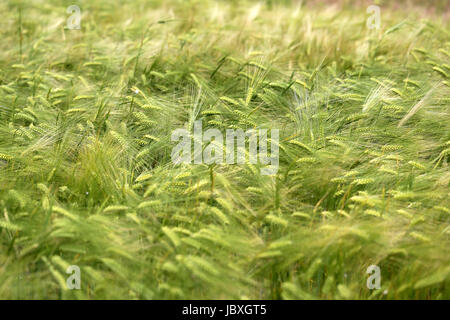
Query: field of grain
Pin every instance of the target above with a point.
(87, 178)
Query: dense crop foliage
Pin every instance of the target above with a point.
(86, 176)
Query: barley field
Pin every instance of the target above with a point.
(89, 100)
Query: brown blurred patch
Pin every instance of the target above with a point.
(423, 8)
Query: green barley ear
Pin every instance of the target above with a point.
(120, 139)
(220, 215)
(441, 72)
(249, 96)
(9, 226)
(301, 145)
(17, 197)
(197, 82)
(230, 100)
(5, 157)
